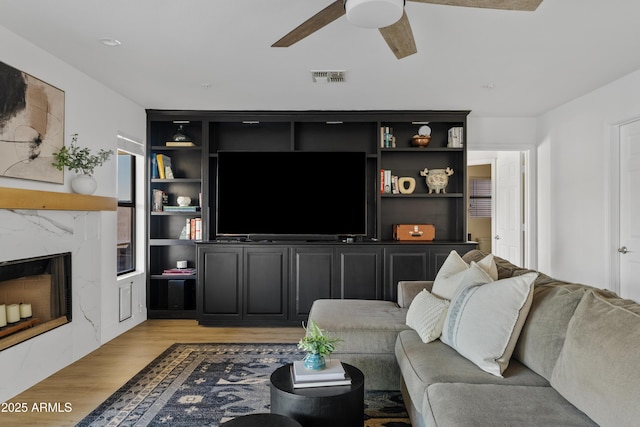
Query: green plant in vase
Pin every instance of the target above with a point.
(79, 160)
(82, 162)
(317, 345)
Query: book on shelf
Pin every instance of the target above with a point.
(387, 140)
(394, 184)
(387, 181)
(174, 208)
(157, 202)
(196, 228)
(179, 144)
(455, 137)
(179, 271)
(333, 375)
(192, 230)
(154, 167)
(164, 166)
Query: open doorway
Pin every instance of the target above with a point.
(480, 205)
(499, 215)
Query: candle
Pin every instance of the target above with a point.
(13, 313)
(3, 316)
(25, 311)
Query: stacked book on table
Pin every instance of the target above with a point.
(333, 375)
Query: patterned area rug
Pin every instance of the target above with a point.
(207, 384)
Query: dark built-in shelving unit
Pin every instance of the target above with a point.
(233, 292)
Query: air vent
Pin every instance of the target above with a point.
(328, 76)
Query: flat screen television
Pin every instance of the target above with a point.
(291, 195)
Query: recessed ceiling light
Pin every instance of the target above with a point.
(110, 42)
(489, 86)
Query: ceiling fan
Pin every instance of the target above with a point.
(389, 17)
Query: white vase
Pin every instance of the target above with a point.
(83, 184)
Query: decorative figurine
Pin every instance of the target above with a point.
(437, 179)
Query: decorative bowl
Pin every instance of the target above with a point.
(183, 200)
(420, 140)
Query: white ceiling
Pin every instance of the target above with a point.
(216, 54)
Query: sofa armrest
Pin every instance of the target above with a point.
(408, 289)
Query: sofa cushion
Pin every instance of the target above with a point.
(364, 326)
(597, 369)
(484, 320)
(454, 405)
(452, 272)
(426, 315)
(424, 364)
(543, 334)
(505, 268)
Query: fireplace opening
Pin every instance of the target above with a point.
(35, 297)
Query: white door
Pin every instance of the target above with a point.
(629, 248)
(508, 231)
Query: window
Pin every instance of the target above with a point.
(126, 213)
(480, 198)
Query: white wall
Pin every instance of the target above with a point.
(574, 145)
(497, 133)
(97, 114)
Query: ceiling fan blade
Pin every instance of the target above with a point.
(525, 5)
(399, 37)
(326, 16)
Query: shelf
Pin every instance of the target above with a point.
(175, 180)
(16, 198)
(418, 149)
(165, 148)
(193, 214)
(422, 195)
(171, 242)
(173, 276)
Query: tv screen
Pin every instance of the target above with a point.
(291, 193)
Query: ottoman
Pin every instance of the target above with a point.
(368, 330)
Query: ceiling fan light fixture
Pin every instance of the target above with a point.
(374, 13)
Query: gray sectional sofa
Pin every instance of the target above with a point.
(576, 361)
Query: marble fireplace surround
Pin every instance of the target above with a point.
(37, 223)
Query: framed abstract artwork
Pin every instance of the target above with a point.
(31, 126)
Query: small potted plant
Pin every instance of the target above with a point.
(317, 345)
(82, 162)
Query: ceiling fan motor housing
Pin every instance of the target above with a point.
(374, 13)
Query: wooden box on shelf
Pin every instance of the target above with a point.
(414, 232)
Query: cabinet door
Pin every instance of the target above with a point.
(404, 263)
(220, 283)
(266, 283)
(312, 278)
(359, 273)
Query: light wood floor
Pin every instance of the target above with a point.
(89, 381)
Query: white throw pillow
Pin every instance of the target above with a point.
(426, 315)
(450, 275)
(484, 320)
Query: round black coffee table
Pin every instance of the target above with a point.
(339, 406)
(262, 420)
